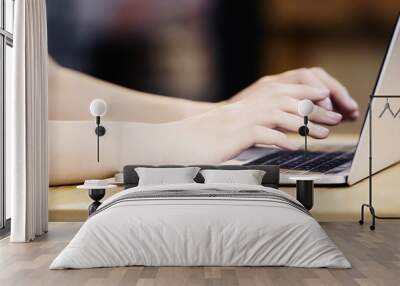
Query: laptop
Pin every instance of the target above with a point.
(347, 164)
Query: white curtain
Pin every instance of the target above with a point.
(27, 122)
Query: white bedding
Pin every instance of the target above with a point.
(183, 231)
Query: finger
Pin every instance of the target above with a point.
(326, 104)
(340, 96)
(306, 76)
(290, 122)
(269, 136)
(323, 116)
(319, 114)
(301, 91)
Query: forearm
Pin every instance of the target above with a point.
(72, 148)
(70, 93)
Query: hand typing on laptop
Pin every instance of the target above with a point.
(266, 111)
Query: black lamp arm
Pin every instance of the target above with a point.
(303, 131)
(99, 131)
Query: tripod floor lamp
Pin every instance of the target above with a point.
(369, 205)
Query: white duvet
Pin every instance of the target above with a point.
(188, 231)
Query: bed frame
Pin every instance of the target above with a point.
(270, 179)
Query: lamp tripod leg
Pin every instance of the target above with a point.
(372, 211)
(373, 215)
(361, 221)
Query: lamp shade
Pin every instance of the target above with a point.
(305, 107)
(98, 107)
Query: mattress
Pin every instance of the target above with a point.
(201, 225)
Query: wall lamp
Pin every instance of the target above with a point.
(98, 108)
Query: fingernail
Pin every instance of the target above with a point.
(321, 131)
(334, 116)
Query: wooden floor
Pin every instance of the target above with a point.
(375, 257)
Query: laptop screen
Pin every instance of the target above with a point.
(385, 121)
(388, 82)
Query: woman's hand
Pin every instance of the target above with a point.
(338, 100)
(264, 114)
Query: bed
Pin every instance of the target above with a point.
(201, 224)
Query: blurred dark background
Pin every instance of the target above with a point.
(211, 49)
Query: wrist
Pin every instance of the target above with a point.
(192, 108)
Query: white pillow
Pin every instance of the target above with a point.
(248, 177)
(163, 176)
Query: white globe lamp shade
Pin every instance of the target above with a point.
(305, 107)
(98, 107)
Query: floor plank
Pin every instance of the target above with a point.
(375, 257)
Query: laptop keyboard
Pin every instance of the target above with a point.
(321, 162)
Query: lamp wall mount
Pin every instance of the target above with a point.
(100, 129)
